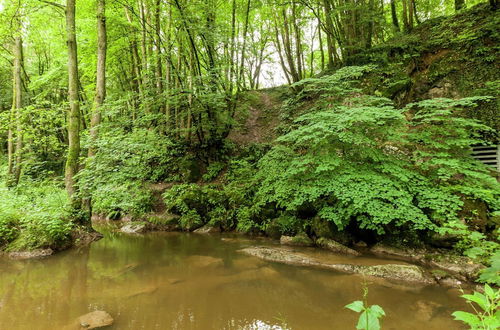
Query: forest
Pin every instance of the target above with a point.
(288, 131)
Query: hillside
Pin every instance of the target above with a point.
(451, 57)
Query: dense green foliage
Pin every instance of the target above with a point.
(363, 152)
(357, 158)
(34, 216)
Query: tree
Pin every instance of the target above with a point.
(72, 160)
(100, 90)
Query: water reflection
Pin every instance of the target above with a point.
(183, 281)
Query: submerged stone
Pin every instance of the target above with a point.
(204, 262)
(404, 273)
(96, 319)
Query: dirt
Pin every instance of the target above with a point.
(260, 122)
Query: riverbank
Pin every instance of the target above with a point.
(398, 265)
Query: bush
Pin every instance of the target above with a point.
(115, 200)
(360, 160)
(34, 215)
(114, 178)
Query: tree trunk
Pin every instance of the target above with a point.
(71, 168)
(100, 89)
(158, 67)
(241, 77)
(329, 33)
(19, 105)
(15, 154)
(394, 15)
(459, 4)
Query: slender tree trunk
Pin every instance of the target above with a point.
(241, 77)
(298, 43)
(321, 50)
(158, 66)
(15, 154)
(18, 63)
(394, 15)
(329, 33)
(71, 168)
(100, 90)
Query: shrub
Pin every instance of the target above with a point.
(360, 160)
(114, 178)
(486, 308)
(34, 215)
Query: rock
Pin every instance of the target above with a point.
(298, 240)
(361, 244)
(425, 310)
(450, 282)
(336, 247)
(402, 253)
(443, 240)
(40, 253)
(204, 262)
(134, 228)
(164, 222)
(207, 229)
(457, 265)
(96, 319)
(405, 273)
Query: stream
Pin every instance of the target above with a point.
(193, 281)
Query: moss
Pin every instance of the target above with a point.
(163, 219)
(302, 239)
(438, 273)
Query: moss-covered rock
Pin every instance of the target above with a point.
(300, 239)
(336, 247)
(400, 273)
(136, 227)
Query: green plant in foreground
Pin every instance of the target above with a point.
(487, 316)
(370, 315)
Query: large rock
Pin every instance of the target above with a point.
(336, 247)
(96, 319)
(298, 240)
(462, 266)
(134, 228)
(402, 253)
(40, 253)
(406, 273)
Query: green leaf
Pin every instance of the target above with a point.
(478, 298)
(368, 321)
(468, 318)
(356, 306)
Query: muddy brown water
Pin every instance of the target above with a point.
(190, 281)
